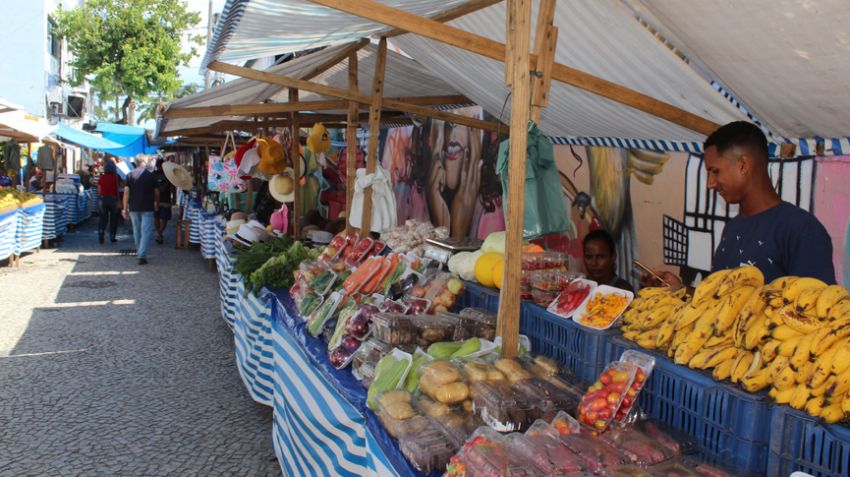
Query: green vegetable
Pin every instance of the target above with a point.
(277, 271)
(248, 261)
(444, 349)
(411, 382)
(388, 373)
(467, 347)
(347, 312)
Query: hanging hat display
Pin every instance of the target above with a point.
(318, 140)
(272, 156)
(279, 220)
(240, 153)
(177, 175)
(282, 186)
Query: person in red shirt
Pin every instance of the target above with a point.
(108, 186)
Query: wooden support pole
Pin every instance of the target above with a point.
(394, 17)
(545, 42)
(351, 139)
(509, 297)
(295, 147)
(350, 95)
(374, 132)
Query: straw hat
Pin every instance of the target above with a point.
(272, 156)
(177, 175)
(282, 186)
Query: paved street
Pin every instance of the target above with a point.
(108, 368)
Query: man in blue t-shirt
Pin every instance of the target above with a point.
(775, 236)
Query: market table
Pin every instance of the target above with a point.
(208, 235)
(29, 228)
(8, 228)
(55, 216)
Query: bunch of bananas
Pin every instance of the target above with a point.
(651, 310)
(11, 197)
(792, 335)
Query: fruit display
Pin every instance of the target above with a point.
(599, 405)
(791, 335)
(643, 368)
(571, 297)
(602, 307)
(441, 381)
(12, 198)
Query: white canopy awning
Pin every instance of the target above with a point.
(403, 78)
(781, 63)
(20, 125)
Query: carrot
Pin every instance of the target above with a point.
(376, 278)
(353, 282)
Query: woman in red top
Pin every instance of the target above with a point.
(108, 185)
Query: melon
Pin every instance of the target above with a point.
(499, 273)
(484, 268)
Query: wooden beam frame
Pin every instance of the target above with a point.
(509, 296)
(294, 152)
(452, 14)
(374, 133)
(351, 140)
(545, 42)
(481, 45)
(350, 95)
(304, 119)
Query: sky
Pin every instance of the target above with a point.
(190, 74)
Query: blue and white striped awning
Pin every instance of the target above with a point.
(250, 29)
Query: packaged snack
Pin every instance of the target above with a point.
(571, 297)
(602, 307)
(367, 356)
(639, 448)
(603, 398)
(427, 450)
(389, 374)
(323, 313)
(496, 403)
(644, 364)
(481, 322)
(394, 329)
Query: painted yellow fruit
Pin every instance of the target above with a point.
(484, 268)
(499, 273)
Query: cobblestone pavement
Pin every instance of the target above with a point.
(108, 368)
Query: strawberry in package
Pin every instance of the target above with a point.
(640, 449)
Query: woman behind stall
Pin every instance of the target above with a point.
(600, 259)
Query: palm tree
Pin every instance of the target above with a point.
(148, 110)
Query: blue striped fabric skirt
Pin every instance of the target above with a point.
(29, 229)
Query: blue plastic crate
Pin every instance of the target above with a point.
(731, 425)
(578, 348)
(800, 442)
(478, 296)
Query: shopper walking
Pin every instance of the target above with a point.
(141, 198)
(108, 185)
(166, 193)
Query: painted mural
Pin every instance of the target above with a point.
(446, 174)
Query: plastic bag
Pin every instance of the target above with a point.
(545, 205)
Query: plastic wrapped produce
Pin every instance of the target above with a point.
(677, 441)
(603, 398)
(396, 412)
(644, 365)
(442, 382)
(390, 373)
(545, 438)
(433, 328)
(595, 455)
(394, 329)
(480, 321)
(367, 356)
(638, 447)
(359, 324)
(427, 450)
(536, 402)
(496, 403)
(485, 454)
(477, 370)
(705, 469)
(316, 320)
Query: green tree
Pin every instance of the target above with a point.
(129, 48)
(149, 108)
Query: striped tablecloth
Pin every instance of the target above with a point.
(55, 217)
(193, 213)
(208, 235)
(29, 229)
(227, 283)
(8, 229)
(252, 331)
(93, 200)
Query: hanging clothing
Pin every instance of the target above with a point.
(46, 160)
(12, 156)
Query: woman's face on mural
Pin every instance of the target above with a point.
(598, 261)
(456, 147)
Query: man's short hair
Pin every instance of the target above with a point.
(600, 235)
(742, 134)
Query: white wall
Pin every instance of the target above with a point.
(23, 52)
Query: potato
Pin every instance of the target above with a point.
(399, 410)
(452, 393)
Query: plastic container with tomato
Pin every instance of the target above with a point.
(599, 405)
(644, 364)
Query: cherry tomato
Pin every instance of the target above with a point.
(614, 398)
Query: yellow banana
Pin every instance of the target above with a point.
(802, 352)
(756, 381)
(832, 413)
(665, 334)
(845, 404)
(742, 365)
(827, 336)
(647, 339)
(692, 344)
(794, 289)
(823, 365)
(783, 396)
(799, 322)
(656, 317)
(772, 296)
(716, 341)
(840, 312)
(691, 313)
(732, 305)
(716, 356)
(815, 406)
(747, 275)
(756, 333)
(829, 296)
(783, 282)
(723, 370)
(647, 292)
(841, 359)
(752, 309)
(784, 332)
(801, 396)
(786, 348)
(769, 350)
(679, 338)
(709, 285)
(804, 371)
(807, 300)
(838, 385)
(785, 379)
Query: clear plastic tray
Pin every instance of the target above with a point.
(603, 398)
(393, 328)
(579, 315)
(570, 298)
